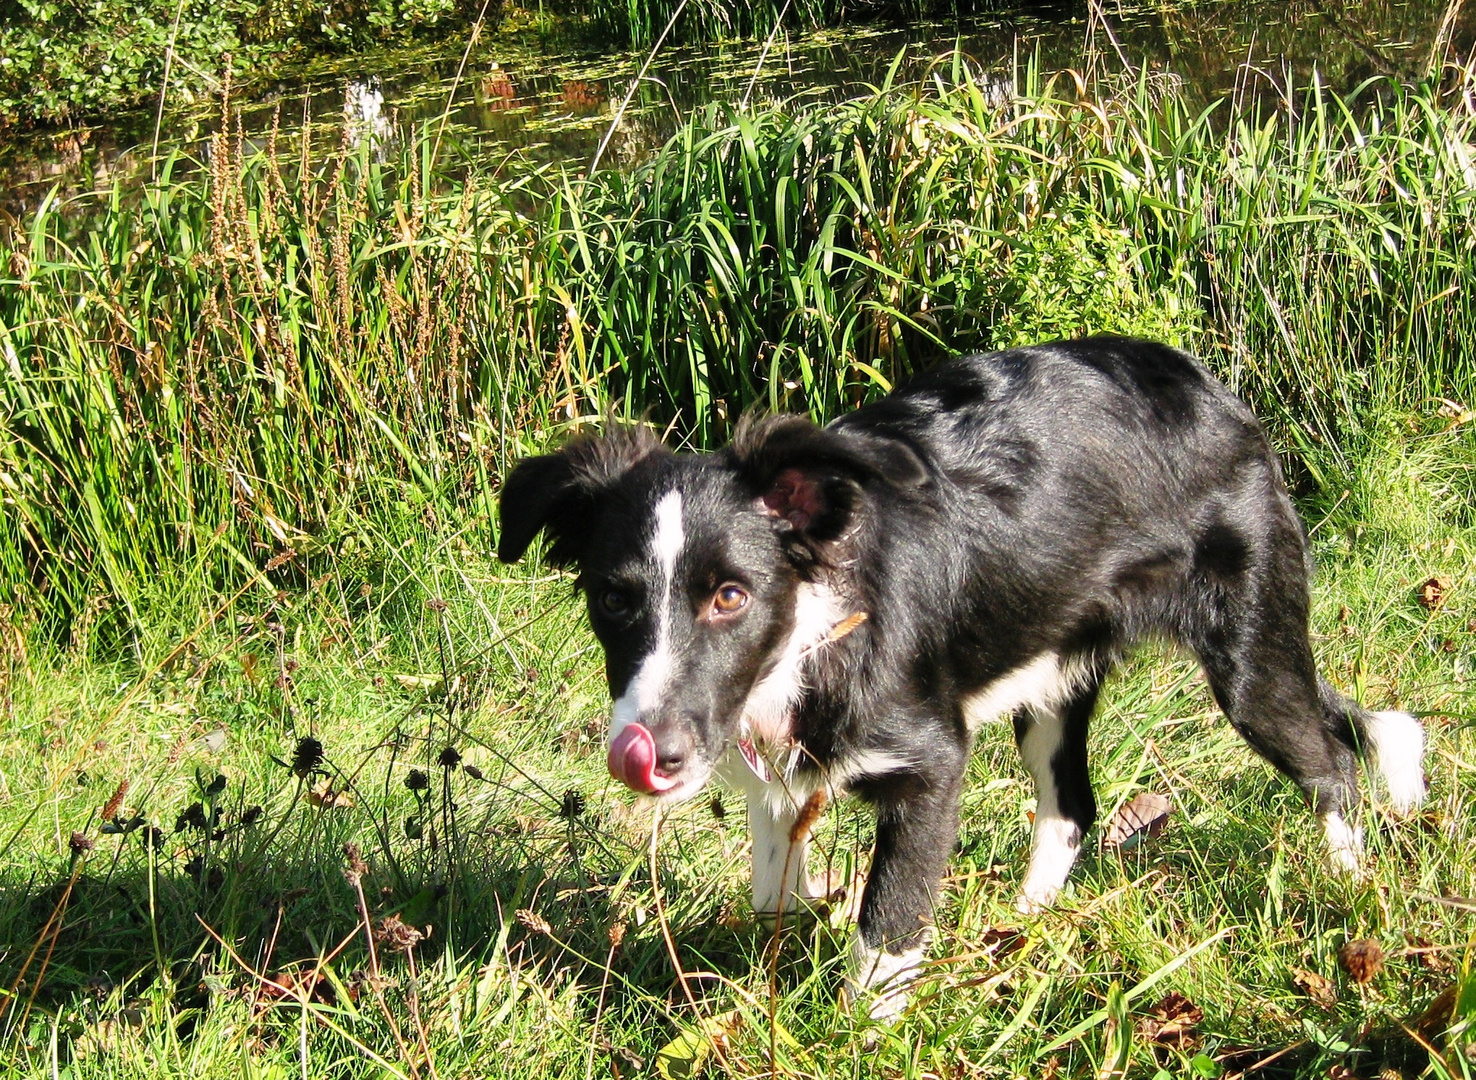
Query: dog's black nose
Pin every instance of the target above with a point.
(673, 750)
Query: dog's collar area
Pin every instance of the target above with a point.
(760, 757)
(755, 759)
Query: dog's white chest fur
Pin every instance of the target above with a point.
(768, 715)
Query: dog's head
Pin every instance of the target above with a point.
(701, 574)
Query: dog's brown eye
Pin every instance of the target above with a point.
(729, 598)
(614, 602)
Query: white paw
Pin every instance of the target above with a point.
(1053, 852)
(1034, 900)
(880, 980)
(1344, 846)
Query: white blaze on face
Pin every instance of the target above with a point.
(643, 694)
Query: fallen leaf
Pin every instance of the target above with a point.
(1361, 959)
(322, 795)
(1434, 593)
(1000, 941)
(1316, 987)
(1433, 1023)
(298, 986)
(684, 1056)
(213, 741)
(1426, 953)
(1171, 1020)
(1141, 818)
(1455, 412)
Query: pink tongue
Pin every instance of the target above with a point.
(633, 761)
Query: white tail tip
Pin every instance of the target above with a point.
(1396, 742)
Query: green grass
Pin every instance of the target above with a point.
(254, 418)
(415, 643)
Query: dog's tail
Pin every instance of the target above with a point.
(1393, 741)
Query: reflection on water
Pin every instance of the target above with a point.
(557, 107)
(364, 116)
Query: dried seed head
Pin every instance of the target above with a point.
(307, 757)
(115, 801)
(395, 935)
(252, 815)
(572, 805)
(357, 867)
(80, 843)
(1361, 959)
(450, 758)
(472, 771)
(416, 780)
(192, 818)
(617, 934)
(534, 922)
(808, 815)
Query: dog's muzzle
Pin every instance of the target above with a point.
(633, 761)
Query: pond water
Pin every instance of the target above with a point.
(515, 97)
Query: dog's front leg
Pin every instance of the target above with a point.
(915, 832)
(778, 854)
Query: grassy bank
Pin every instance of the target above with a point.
(212, 373)
(254, 421)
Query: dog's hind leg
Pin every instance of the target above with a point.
(1052, 743)
(1252, 642)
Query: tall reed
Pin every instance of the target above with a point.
(218, 367)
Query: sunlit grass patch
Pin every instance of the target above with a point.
(233, 934)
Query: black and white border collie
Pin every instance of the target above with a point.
(840, 609)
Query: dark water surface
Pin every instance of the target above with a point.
(513, 98)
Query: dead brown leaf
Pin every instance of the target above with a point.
(1141, 818)
(323, 795)
(1434, 593)
(1433, 1023)
(306, 985)
(1455, 412)
(1316, 987)
(1427, 954)
(1361, 959)
(1000, 941)
(1171, 1021)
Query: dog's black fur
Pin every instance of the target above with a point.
(1064, 501)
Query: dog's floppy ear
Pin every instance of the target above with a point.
(559, 492)
(812, 477)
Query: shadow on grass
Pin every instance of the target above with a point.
(233, 905)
